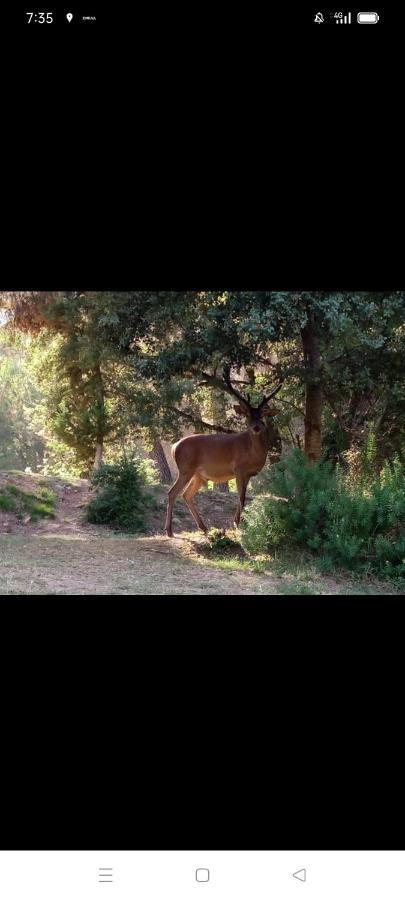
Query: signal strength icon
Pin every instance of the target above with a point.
(344, 20)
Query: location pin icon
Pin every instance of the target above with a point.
(69, 17)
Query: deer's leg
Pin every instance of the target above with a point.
(175, 490)
(241, 484)
(191, 489)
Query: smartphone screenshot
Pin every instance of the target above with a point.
(202, 453)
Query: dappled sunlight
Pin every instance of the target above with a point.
(127, 416)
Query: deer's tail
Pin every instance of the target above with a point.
(173, 452)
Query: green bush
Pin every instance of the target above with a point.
(122, 500)
(358, 524)
(14, 490)
(220, 543)
(6, 503)
(41, 511)
(38, 505)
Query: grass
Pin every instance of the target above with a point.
(38, 505)
(298, 585)
(223, 549)
(232, 564)
(95, 562)
(6, 503)
(297, 588)
(38, 476)
(295, 570)
(84, 564)
(103, 565)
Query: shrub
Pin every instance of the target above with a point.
(41, 511)
(259, 483)
(38, 505)
(6, 503)
(355, 523)
(220, 543)
(122, 500)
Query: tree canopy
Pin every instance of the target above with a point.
(112, 365)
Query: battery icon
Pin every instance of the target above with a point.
(367, 18)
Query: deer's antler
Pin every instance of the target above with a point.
(272, 394)
(231, 390)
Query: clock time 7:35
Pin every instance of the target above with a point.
(39, 17)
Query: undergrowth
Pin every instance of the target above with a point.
(122, 500)
(39, 504)
(345, 522)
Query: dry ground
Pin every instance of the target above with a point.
(65, 555)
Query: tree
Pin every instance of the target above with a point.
(307, 345)
(20, 444)
(218, 416)
(313, 388)
(76, 369)
(159, 457)
(331, 359)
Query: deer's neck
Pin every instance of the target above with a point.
(259, 445)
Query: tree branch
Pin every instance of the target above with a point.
(272, 393)
(293, 441)
(213, 381)
(196, 421)
(231, 390)
(297, 408)
(223, 384)
(266, 361)
(337, 414)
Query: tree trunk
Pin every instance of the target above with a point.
(218, 415)
(313, 390)
(159, 457)
(99, 455)
(98, 388)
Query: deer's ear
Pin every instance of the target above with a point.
(266, 411)
(239, 410)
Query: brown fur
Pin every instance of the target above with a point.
(219, 457)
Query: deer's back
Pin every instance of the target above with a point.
(215, 455)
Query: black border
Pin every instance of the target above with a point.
(304, 695)
(105, 746)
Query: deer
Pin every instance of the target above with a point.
(220, 457)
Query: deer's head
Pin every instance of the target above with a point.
(256, 416)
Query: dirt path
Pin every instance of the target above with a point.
(72, 565)
(66, 555)
(73, 496)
